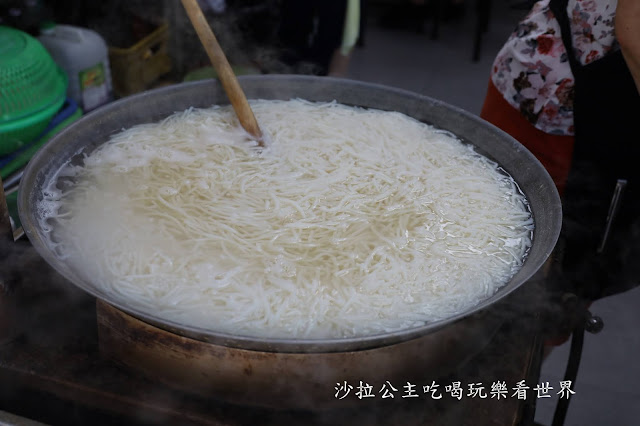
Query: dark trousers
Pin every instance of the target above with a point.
(311, 30)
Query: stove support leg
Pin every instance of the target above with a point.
(6, 231)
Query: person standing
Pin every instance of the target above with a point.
(566, 85)
(321, 32)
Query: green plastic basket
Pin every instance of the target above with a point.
(32, 89)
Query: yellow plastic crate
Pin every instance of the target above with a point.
(135, 68)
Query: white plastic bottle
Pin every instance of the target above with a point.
(83, 55)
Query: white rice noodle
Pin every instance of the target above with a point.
(350, 222)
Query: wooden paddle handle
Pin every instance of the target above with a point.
(222, 67)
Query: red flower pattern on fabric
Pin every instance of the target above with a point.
(531, 70)
(592, 56)
(545, 43)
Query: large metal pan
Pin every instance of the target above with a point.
(94, 129)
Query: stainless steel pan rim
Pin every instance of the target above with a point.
(96, 127)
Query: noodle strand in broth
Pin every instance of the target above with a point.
(351, 222)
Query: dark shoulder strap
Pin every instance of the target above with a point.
(559, 9)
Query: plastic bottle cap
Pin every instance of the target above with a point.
(47, 27)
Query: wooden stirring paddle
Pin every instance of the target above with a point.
(224, 71)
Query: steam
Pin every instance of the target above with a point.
(35, 292)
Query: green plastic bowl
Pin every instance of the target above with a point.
(32, 89)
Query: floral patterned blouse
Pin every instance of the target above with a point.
(531, 70)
